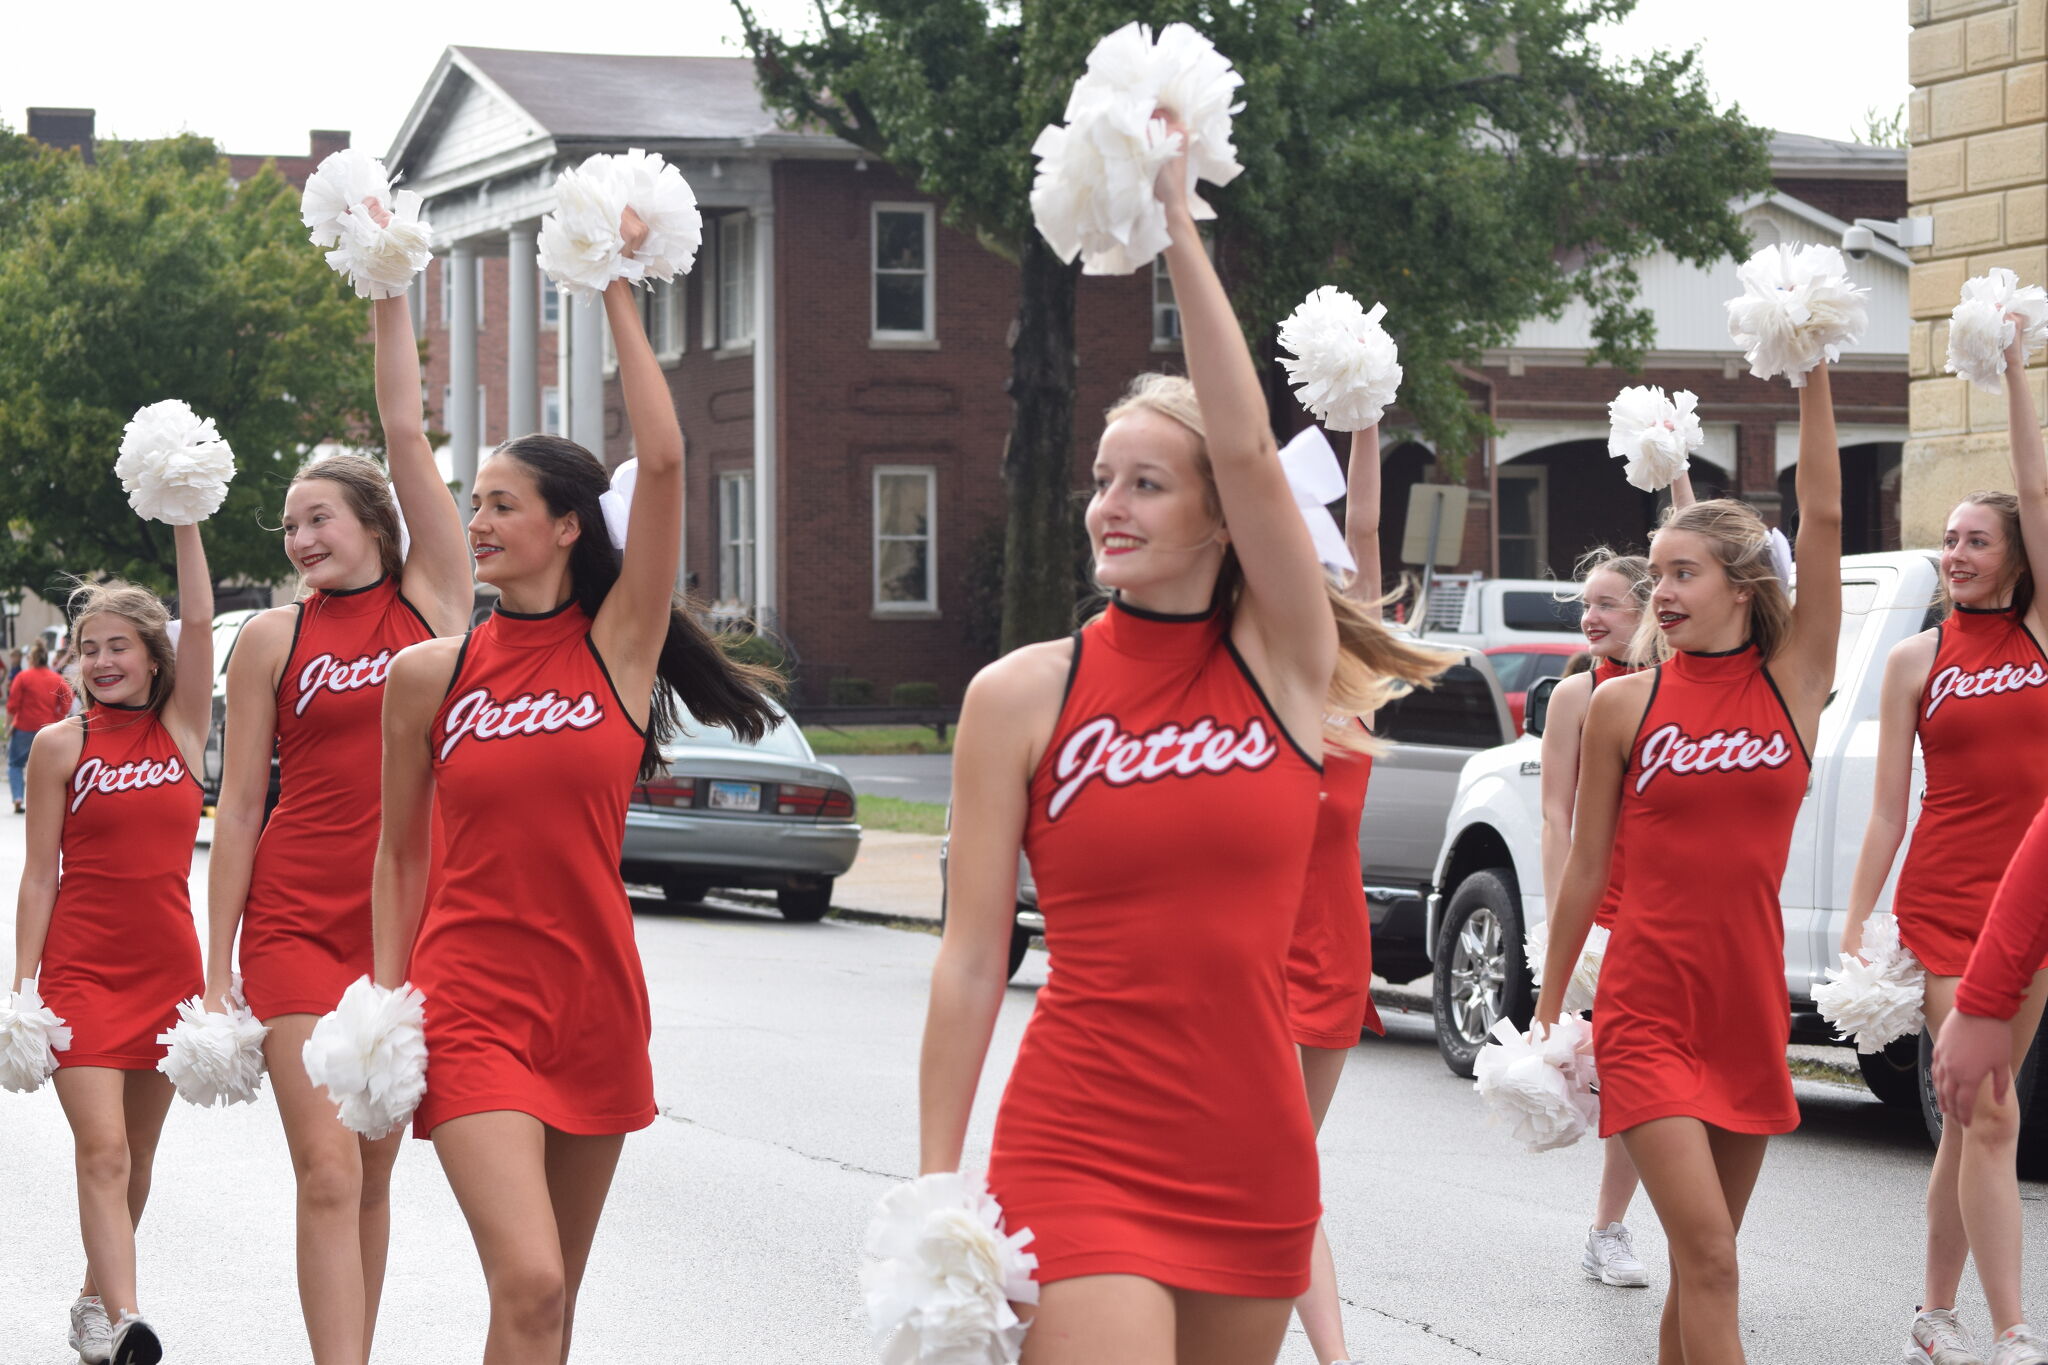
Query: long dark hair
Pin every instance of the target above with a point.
(714, 688)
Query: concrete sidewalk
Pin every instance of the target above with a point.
(896, 875)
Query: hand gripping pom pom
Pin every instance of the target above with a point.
(370, 1054)
(379, 261)
(1093, 195)
(173, 464)
(1345, 368)
(1797, 309)
(1878, 998)
(1980, 329)
(1541, 1083)
(1654, 434)
(581, 248)
(31, 1036)
(215, 1059)
(948, 1273)
(1585, 982)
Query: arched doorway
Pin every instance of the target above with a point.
(1870, 497)
(1558, 501)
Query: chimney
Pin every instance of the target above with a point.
(63, 128)
(326, 142)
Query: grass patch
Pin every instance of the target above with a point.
(828, 740)
(905, 817)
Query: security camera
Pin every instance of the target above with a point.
(1858, 242)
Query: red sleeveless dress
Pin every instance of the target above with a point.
(1154, 1122)
(306, 924)
(535, 997)
(1983, 725)
(1606, 670)
(1329, 961)
(1693, 1015)
(122, 950)
(2015, 938)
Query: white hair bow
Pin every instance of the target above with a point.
(1316, 481)
(1781, 556)
(617, 501)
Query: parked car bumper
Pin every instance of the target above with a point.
(737, 852)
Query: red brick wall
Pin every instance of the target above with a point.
(490, 351)
(295, 169)
(1849, 200)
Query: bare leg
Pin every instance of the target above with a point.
(1225, 1329)
(1618, 1183)
(497, 1164)
(1700, 1179)
(1948, 1244)
(1321, 1311)
(579, 1172)
(1098, 1318)
(146, 1102)
(95, 1104)
(344, 1222)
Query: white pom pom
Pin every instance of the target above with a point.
(1653, 433)
(31, 1036)
(173, 464)
(215, 1059)
(1879, 997)
(1585, 982)
(337, 188)
(948, 1273)
(379, 261)
(581, 248)
(1797, 309)
(1345, 368)
(370, 1054)
(1979, 330)
(1540, 1084)
(1093, 193)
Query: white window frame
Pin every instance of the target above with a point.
(1162, 338)
(664, 315)
(551, 410)
(929, 272)
(929, 606)
(1539, 521)
(550, 302)
(736, 265)
(416, 301)
(736, 538)
(707, 307)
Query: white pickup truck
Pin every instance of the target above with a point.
(1488, 886)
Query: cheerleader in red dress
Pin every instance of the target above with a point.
(1162, 771)
(1974, 692)
(1701, 763)
(306, 681)
(105, 914)
(543, 719)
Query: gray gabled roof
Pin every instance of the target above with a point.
(1825, 158)
(576, 96)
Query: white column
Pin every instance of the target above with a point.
(522, 333)
(584, 318)
(465, 430)
(766, 590)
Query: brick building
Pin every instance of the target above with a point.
(838, 358)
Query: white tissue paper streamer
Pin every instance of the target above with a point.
(1877, 998)
(580, 246)
(1654, 433)
(948, 1272)
(1093, 194)
(370, 1054)
(215, 1059)
(1979, 330)
(1345, 369)
(31, 1036)
(1541, 1083)
(1316, 481)
(379, 261)
(1585, 981)
(173, 464)
(1797, 309)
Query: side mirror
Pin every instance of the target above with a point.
(1536, 706)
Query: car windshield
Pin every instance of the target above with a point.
(1518, 671)
(785, 739)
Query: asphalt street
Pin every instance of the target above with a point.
(785, 1064)
(907, 777)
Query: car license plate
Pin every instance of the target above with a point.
(735, 796)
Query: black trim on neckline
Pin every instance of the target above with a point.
(454, 677)
(1790, 723)
(1260, 693)
(1164, 617)
(2007, 610)
(624, 710)
(117, 706)
(382, 579)
(419, 615)
(1742, 648)
(285, 670)
(499, 610)
(1073, 671)
(1635, 744)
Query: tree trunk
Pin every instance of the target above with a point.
(1038, 463)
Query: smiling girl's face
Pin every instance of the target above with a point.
(1154, 518)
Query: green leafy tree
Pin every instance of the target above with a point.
(152, 275)
(1473, 164)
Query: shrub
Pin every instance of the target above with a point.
(850, 692)
(914, 694)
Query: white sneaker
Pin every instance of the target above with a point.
(2017, 1345)
(135, 1342)
(1938, 1338)
(92, 1336)
(1611, 1258)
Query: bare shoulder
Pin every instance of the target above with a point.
(1034, 673)
(422, 673)
(1572, 691)
(59, 742)
(1913, 656)
(1621, 700)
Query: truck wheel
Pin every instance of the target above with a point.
(1479, 977)
(2030, 1088)
(1893, 1075)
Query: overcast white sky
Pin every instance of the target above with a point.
(256, 76)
